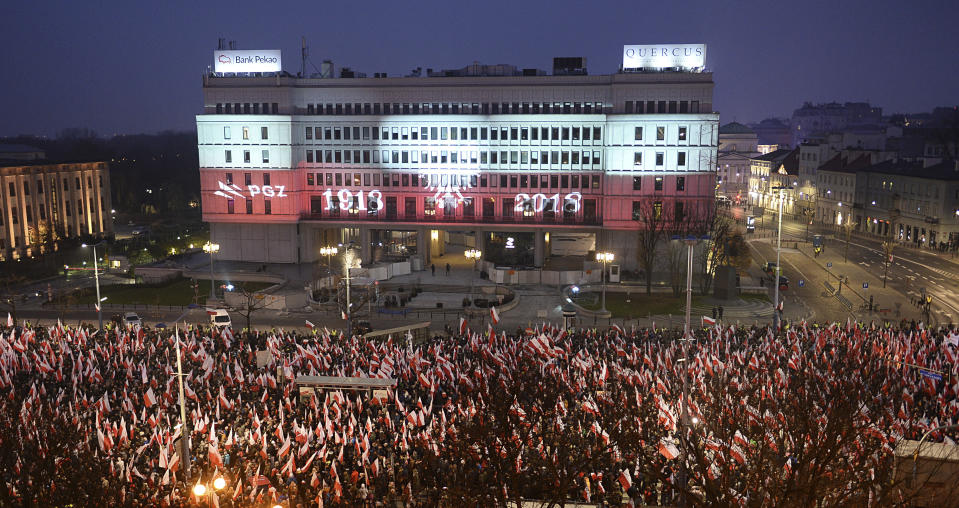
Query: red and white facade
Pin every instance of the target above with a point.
(288, 165)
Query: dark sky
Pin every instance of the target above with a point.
(135, 66)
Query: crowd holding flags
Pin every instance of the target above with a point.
(331, 448)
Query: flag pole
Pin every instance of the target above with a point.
(184, 431)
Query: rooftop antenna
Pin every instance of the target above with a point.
(232, 44)
(220, 43)
(304, 54)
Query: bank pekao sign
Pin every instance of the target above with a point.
(254, 60)
(659, 56)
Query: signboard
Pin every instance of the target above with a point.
(664, 55)
(829, 265)
(865, 285)
(931, 375)
(232, 190)
(253, 60)
(802, 282)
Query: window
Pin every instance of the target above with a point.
(266, 156)
(678, 211)
(246, 156)
(13, 189)
(637, 183)
(309, 133)
(682, 133)
(264, 133)
(229, 178)
(266, 179)
(638, 134)
(267, 207)
(309, 155)
(309, 179)
(246, 133)
(637, 210)
(228, 156)
(659, 158)
(229, 207)
(659, 183)
(660, 133)
(681, 183)
(248, 179)
(658, 210)
(226, 132)
(637, 158)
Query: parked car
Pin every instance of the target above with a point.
(220, 318)
(131, 319)
(783, 283)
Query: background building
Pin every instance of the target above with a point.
(738, 144)
(44, 202)
(398, 165)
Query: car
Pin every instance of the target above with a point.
(220, 318)
(131, 319)
(783, 283)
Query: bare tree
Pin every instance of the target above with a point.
(653, 229)
(250, 303)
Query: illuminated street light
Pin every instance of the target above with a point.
(199, 490)
(96, 278)
(329, 252)
(604, 257)
(219, 483)
(211, 248)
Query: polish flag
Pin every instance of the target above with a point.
(9, 320)
(708, 321)
(494, 315)
(668, 450)
(462, 326)
(625, 480)
(149, 399)
(343, 314)
(310, 325)
(214, 456)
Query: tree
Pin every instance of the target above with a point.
(250, 302)
(653, 228)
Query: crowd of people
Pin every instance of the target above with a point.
(421, 443)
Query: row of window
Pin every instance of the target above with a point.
(661, 107)
(12, 187)
(267, 207)
(246, 108)
(571, 133)
(42, 209)
(658, 183)
(564, 157)
(660, 159)
(245, 132)
(555, 182)
(456, 108)
(682, 134)
(264, 156)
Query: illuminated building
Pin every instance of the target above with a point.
(44, 202)
(288, 164)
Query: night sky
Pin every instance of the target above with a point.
(135, 66)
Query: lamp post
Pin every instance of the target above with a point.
(347, 264)
(96, 278)
(212, 248)
(329, 252)
(604, 257)
(473, 254)
(779, 239)
(887, 248)
(200, 490)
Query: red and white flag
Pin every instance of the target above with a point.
(149, 399)
(462, 326)
(9, 320)
(343, 314)
(668, 450)
(310, 325)
(625, 480)
(708, 321)
(494, 315)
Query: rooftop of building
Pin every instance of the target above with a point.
(947, 170)
(777, 155)
(18, 148)
(735, 128)
(844, 164)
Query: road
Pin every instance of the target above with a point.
(911, 271)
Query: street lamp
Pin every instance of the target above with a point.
(474, 255)
(887, 248)
(212, 248)
(779, 239)
(329, 252)
(604, 257)
(200, 490)
(96, 278)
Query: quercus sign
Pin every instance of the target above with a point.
(232, 191)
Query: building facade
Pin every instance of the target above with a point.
(738, 144)
(43, 203)
(288, 165)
